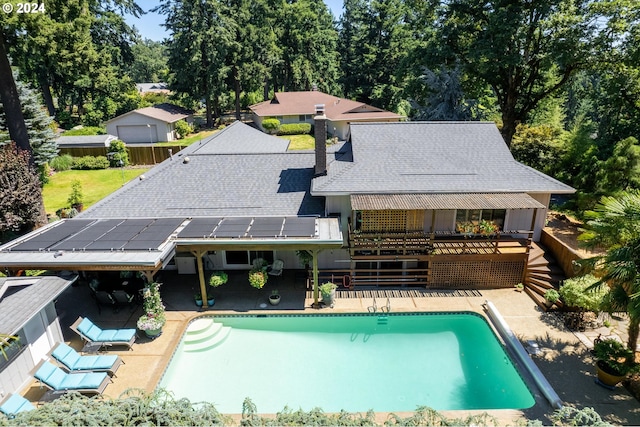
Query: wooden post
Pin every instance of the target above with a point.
(316, 291)
(203, 284)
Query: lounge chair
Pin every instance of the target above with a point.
(72, 361)
(14, 404)
(61, 382)
(276, 268)
(92, 334)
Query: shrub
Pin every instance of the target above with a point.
(117, 152)
(183, 129)
(294, 129)
(271, 125)
(86, 130)
(574, 293)
(62, 163)
(90, 163)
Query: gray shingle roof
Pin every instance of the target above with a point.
(20, 303)
(238, 139)
(431, 157)
(267, 182)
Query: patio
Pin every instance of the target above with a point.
(564, 360)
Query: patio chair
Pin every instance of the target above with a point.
(72, 361)
(14, 404)
(276, 268)
(104, 298)
(61, 382)
(94, 335)
(123, 297)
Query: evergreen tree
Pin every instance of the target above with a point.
(39, 125)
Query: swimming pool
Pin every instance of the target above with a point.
(388, 363)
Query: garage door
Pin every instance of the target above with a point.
(138, 133)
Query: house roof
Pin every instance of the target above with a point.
(21, 298)
(166, 112)
(430, 157)
(297, 103)
(443, 201)
(85, 140)
(152, 87)
(209, 179)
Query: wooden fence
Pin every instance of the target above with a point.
(138, 155)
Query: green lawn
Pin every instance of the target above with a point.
(300, 142)
(96, 185)
(188, 140)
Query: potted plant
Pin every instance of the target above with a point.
(198, 299)
(305, 258)
(257, 278)
(613, 361)
(274, 298)
(218, 278)
(153, 319)
(519, 287)
(551, 296)
(75, 197)
(328, 292)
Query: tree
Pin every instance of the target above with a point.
(11, 101)
(445, 99)
(615, 224)
(38, 122)
(524, 50)
(20, 194)
(149, 62)
(196, 50)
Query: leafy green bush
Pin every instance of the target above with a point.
(574, 293)
(133, 407)
(62, 163)
(294, 129)
(90, 163)
(86, 130)
(183, 129)
(118, 152)
(271, 125)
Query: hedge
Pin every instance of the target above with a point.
(90, 163)
(271, 125)
(294, 129)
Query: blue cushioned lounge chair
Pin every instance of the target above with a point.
(74, 362)
(61, 382)
(92, 334)
(14, 404)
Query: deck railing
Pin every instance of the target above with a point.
(371, 244)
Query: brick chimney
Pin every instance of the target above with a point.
(320, 133)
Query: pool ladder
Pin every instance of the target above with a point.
(374, 307)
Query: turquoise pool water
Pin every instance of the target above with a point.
(388, 363)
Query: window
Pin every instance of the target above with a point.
(245, 258)
(10, 347)
(474, 216)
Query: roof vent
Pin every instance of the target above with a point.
(319, 109)
(186, 160)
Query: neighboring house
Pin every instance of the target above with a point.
(149, 124)
(29, 326)
(300, 107)
(152, 88)
(85, 141)
(431, 204)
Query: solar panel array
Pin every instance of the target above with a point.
(103, 235)
(148, 234)
(245, 227)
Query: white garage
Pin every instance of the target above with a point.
(149, 125)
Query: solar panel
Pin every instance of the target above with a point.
(52, 236)
(299, 226)
(104, 245)
(266, 227)
(142, 245)
(232, 227)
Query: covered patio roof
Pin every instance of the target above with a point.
(150, 243)
(444, 201)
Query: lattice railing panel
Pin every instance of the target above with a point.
(476, 274)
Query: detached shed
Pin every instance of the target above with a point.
(149, 124)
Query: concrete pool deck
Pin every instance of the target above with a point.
(565, 360)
